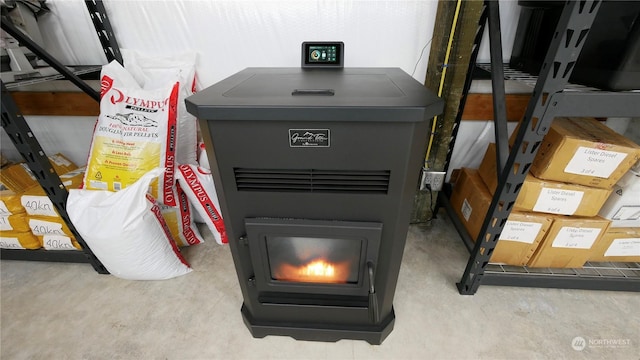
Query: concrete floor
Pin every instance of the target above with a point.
(67, 311)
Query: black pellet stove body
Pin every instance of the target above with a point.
(316, 171)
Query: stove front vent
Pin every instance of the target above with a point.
(313, 180)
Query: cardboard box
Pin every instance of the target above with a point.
(547, 196)
(520, 237)
(470, 200)
(522, 232)
(584, 151)
(618, 245)
(570, 242)
(623, 205)
(560, 198)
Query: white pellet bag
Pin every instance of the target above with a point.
(126, 231)
(135, 132)
(198, 184)
(153, 71)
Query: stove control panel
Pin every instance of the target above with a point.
(323, 54)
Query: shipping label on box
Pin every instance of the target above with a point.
(520, 231)
(557, 201)
(618, 245)
(624, 247)
(594, 162)
(576, 237)
(560, 198)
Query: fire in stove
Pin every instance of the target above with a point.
(315, 271)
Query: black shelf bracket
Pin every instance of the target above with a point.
(497, 86)
(26, 143)
(104, 30)
(573, 26)
(558, 281)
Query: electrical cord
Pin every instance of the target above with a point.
(420, 58)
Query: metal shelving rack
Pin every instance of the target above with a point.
(552, 97)
(26, 143)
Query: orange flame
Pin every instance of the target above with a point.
(316, 271)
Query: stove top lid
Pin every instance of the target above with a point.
(253, 93)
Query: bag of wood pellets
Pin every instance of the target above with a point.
(16, 222)
(151, 72)
(19, 240)
(126, 231)
(136, 131)
(58, 242)
(46, 225)
(10, 203)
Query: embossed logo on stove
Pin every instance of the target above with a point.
(309, 138)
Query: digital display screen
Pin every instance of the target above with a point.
(323, 54)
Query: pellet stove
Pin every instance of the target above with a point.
(316, 170)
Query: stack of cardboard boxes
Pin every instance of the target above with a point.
(560, 219)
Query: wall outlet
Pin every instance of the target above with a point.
(437, 180)
(432, 180)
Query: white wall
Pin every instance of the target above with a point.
(233, 34)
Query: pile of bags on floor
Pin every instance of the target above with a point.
(143, 188)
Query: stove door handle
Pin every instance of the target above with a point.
(373, 299)
(314, 92)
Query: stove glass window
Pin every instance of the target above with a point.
(314, 260)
